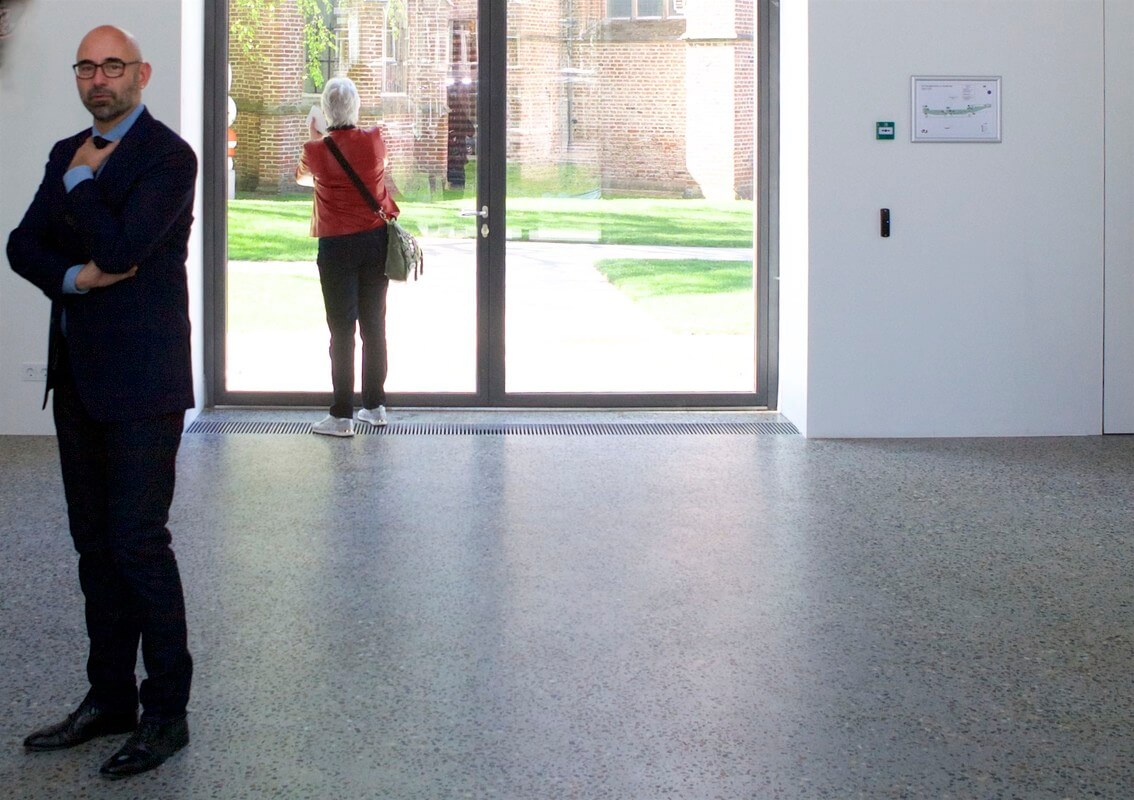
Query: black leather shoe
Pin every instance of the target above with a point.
(82, 725)
(147, 748)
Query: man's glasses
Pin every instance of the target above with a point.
(111, 68)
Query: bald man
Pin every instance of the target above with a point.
(106, 239)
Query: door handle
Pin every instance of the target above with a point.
(483, 213)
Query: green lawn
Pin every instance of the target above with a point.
(649, 277)
(270, 230)
(276, 229)
(685, 295)
(688, 296)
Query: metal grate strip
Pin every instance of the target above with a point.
(515, 429)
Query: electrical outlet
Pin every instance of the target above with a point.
(34, 372)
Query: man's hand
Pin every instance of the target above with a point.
(91, 277)
(90, 156)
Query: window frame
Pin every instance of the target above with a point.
(394, 78)
(331, 57)
(670, 9)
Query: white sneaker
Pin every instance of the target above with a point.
(334, 426)
(375, 416)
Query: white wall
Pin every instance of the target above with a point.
(1118, 395)
(39, 106)
(794, 213)
(982, 314)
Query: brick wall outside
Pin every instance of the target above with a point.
(534, 89)
(744, 160)
(606, 94)
(270, 113)
(641, 117)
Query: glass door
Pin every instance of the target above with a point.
(582, 175)
(415, 65)
(630, 186)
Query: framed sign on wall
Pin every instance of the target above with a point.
(955, 109)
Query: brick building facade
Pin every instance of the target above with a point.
(658, 105)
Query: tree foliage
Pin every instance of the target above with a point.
(247, 17)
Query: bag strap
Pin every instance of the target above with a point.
(357, 181)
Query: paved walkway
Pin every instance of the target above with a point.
(568, 328)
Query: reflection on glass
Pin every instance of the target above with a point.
(416, 69)
(630, 163)
(630, 184)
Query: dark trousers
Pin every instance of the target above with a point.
(354, 283)
(118, 478)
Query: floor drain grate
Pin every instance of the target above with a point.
(516, 429)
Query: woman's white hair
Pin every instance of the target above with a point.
(340, 102)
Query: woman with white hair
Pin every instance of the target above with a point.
(352, 252)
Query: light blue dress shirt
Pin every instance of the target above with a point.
(76, 175)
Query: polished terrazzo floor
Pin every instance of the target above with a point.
(620, 616)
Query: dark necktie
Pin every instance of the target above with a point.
(100, 143)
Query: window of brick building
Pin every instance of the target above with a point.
(645, 9)
(327, 62)
(328, 58)
(463, 43)
(394, 61)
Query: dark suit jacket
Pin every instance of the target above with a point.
(128, 344)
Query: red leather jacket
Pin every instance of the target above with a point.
(339, 207)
